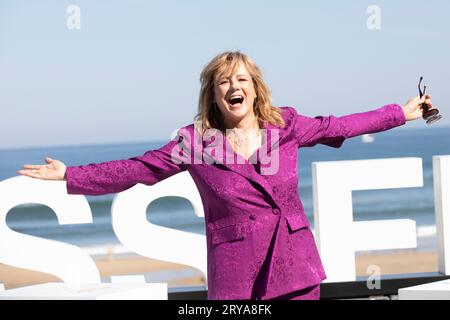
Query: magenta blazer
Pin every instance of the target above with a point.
(259, 242)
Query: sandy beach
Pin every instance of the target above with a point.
(13, 277)
(404, 261)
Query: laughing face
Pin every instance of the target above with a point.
(235, 96)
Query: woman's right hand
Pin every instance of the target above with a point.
(53, 170)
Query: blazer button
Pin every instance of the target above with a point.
(252, 217)
(276, 211)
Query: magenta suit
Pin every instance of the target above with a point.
(259, 242)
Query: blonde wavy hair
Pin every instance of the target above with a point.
(225, 64)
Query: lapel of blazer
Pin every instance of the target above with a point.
(228, 159)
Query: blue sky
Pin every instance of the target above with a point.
(131, 73)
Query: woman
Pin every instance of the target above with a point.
(259, 242)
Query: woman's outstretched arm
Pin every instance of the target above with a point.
(332, 130)
(112, 176)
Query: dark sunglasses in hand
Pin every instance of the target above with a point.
(431, 116)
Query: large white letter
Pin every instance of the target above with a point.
(441, 175)
(139, 235)
(65, 261)
(337, 236)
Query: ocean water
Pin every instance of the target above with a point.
(177, 213)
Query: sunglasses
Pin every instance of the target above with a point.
(431, 116)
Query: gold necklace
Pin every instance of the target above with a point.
(237, 139)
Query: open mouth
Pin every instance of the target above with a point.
(236, 100)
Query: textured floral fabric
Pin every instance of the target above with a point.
(259, 242)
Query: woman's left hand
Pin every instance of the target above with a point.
(413, 109)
